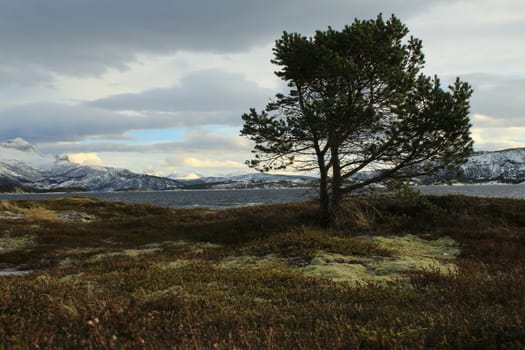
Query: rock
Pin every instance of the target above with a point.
(75, 216)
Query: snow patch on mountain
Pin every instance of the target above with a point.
(507, 166)
(22, 164)
(20, 153)
(256, 180)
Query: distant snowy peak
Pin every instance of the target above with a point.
(256, 180)
(512, 155)
(14, 147)
(262, 177)
(506, 166)
(23, 165)
(19, 145)
(63, 158)
(19, 151)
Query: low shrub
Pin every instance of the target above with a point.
(41, 214)
(148, 277)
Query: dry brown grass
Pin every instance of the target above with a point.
(360, 213)
(189, 294)
(9, 206)
(41, 214)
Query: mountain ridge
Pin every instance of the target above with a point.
(505, 166)
(23, 166)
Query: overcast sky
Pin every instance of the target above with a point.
(159, 86)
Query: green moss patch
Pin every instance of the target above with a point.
(251, 261)
(11, 243)
(145, 277)
(411, 245)
(411, 254)
(133, 253)
(338, 268)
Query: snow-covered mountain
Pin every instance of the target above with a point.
(506, 166)
(23, 165)
(257, 180)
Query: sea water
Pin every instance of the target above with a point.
(222, 199)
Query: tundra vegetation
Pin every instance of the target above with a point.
(407, 272)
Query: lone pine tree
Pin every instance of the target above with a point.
(358, 101)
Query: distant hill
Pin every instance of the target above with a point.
(506, 166)
(24, 168)
(258, 180)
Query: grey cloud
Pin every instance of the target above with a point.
(204, 98)
(473, 36)
(23, 76)
(203, 91)
(500, 97)
(83, 38)
(42, 122)
(196, 140)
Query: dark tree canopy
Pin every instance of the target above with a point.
(359, 102)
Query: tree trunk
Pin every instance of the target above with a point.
(324, 210)
(337, 183)
(324, 196)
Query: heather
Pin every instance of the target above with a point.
(406, 272)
